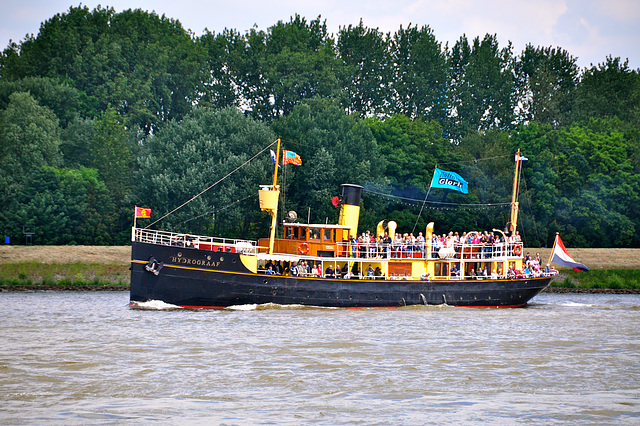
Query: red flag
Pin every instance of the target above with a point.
(142, 213)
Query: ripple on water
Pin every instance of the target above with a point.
(90, 358)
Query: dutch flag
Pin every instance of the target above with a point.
(560, 256)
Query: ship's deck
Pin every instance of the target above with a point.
(346, 251)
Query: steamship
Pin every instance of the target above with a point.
(194, 271)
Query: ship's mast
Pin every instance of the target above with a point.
(269, 199)
(514, 199)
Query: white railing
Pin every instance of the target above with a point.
(174, 239)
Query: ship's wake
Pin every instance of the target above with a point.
(154, 305)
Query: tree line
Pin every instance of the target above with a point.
(101, 111)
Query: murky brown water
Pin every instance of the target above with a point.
(78, 358)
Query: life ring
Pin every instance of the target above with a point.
(303, 248)
(517, 250)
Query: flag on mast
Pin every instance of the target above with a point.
(142, 213)
(449, 180)
(290, 157)
(560, 256)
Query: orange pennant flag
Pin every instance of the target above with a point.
(291, 157)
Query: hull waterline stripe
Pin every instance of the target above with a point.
(366, 307)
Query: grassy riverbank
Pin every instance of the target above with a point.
(64, 268)
(107, 268)
(64, 276)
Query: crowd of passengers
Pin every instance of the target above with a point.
(531, 268)
(311, 269)
(483, 244)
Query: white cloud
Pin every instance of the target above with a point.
(621, 10)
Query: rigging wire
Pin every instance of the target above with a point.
(422, 208)
(475, 160)
(214, 184)
(219, 210)
(533, 218)
(416, 201)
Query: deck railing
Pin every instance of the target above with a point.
(457, 252)
(175, 239)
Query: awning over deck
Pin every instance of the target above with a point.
(278, 257)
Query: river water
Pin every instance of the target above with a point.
(87, 358)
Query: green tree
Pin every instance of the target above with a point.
(29, 139)
(77, 140)
(609, 90)
(112, 154)
(581, 182)
(546, 80)
(65, 101)
(65, 206)
(482, 86)
(146, 66)
(184, 158)
(278, 69)
(411, 149)
(222, 55)
(367, 72)
(300, 64)
(420, 80)
(335, 149)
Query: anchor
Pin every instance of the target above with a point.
(153, 266)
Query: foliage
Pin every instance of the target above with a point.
(420, 83)
(482, 86)
(65, 101)
(185, 158)
(29, 139)
(547, 79)
(601, 278)
(367, 74)
(144, 65)
(65, 206)
(63, 274)
(335, 149)
(582, 183)
(103, 110)
(610, 89)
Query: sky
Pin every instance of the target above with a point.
(589, 30)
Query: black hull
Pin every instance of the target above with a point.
(195, 278)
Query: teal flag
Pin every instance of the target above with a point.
(449, 180)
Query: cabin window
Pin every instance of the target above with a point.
(314, 233)
(441, 269)
(328, 235)
(291, 233)
(399, 269)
